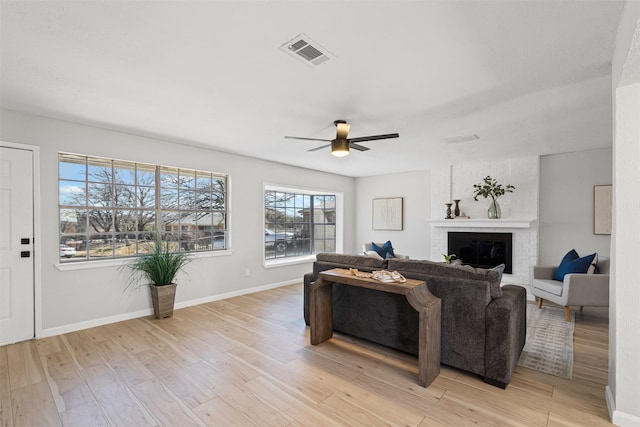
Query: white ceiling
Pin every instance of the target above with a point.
(527, 77)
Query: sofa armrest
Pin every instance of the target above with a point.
(544, 272)
(506, 330)
(587, 289)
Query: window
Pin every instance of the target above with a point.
(298, 223)
(113, 208)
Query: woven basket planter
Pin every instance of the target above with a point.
(163, 298)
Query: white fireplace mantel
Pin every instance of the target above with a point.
(483, 223)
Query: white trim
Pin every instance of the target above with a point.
(281, 262)
(37, 234)
(617, 417)
(236, 293)
(483, 223)
(149, 311)
(117, 262)
(611, 403)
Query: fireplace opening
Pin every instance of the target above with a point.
(483, 250)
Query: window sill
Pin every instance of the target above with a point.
(282, 262)
(86, 265)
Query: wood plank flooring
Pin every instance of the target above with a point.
(247, 361)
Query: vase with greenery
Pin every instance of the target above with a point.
(489, 187)
(158, 270)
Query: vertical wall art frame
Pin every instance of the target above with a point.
(387, 213)
(602, 209)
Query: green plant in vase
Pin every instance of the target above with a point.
(158, 270)
(449, 258)
(489, 187)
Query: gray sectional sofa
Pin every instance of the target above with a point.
(483, 324)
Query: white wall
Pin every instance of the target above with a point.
(414, 187)
(624, 295)
(566, 203)
(80, 297)
(456, 182)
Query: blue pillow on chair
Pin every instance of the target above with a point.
(385, 251)
(565, 265)
(572, 263)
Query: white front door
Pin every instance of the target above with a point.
(16, 245)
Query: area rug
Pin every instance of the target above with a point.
(549, 344)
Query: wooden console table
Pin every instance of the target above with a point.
(418, 295)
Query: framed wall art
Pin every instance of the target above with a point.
(387, 213)
(602, 209)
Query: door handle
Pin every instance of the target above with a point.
(25, 254)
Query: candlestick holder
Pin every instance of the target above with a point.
(448, 211)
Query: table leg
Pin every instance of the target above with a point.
(321, 311)
(429, 344)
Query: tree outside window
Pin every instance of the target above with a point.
(112, 208)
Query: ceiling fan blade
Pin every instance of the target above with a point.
(358, 147)
(342, 130)
(307, 139)
(374, 137)
(321, 147)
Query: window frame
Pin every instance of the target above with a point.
(339, 223)
(218, 185)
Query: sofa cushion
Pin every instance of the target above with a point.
(449, 270)
(355, 260)
(500, 269)
(552, 286)
(327, 261)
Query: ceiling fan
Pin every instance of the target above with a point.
(341, 144)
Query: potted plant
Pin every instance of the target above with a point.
(449, 258)
(159, 270)
(489, 187)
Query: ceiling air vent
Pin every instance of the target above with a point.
(464, 138)
(306, 50)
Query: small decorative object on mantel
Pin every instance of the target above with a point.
(448, 211)
(456, 210)
(489, 187)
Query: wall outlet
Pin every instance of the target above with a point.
(247, 272)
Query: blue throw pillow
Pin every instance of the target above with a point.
(580, 265)
(385, 251)
(565, 265)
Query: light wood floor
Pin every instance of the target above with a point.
(247, 361)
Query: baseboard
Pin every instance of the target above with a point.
(59, 330)
(617, 417)
(219, 297)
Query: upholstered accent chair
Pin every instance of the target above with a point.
(591, 290)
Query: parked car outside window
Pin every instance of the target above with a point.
(278, 241)
(67, 251)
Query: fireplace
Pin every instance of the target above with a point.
(484, 250)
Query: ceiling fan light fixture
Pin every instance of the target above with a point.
(340, 147)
